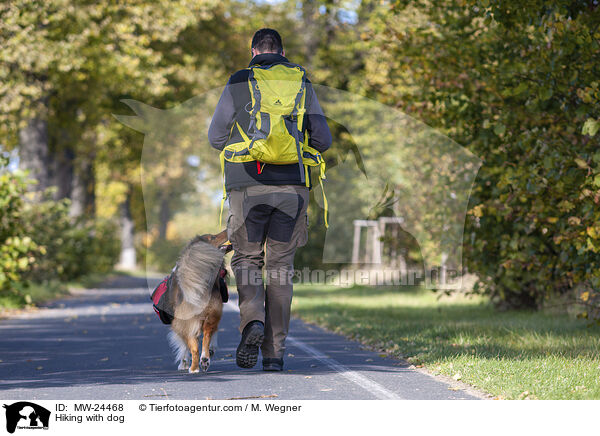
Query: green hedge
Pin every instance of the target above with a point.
(40, 242)
(73, 246)
(17, 250)
(518, 84)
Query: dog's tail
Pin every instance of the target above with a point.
(177, 345)
(197, 270)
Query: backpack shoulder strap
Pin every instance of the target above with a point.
(253, 132)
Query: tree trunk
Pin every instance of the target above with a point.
(33, 153)
(62, 173)
(311, 29)
(83, 197)
(164, 216)
(127, 259)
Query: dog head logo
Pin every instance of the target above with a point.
(26, 415)
(397, 190)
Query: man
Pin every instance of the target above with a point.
(267, 210)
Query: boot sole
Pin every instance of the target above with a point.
(247, 352)
(272, 368)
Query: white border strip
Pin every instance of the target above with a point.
(369, 385)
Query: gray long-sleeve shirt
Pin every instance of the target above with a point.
(232, 107)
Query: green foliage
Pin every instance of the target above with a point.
(73, 247)
(517, 84)
(161, 255)
(40, 243)
(17, 249)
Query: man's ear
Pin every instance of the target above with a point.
(283, 52)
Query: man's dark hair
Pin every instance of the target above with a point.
(267, 41)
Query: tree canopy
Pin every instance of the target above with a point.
(514, 84)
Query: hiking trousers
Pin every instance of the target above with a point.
(266, 224)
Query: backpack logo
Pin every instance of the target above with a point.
(277, 102)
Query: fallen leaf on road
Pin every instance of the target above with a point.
(454, 388)
(104, 359)
(383, 355)
(326, 390)
(291, 355)
(369, 360)
(229, 355)
(313, 366)
(308, 376)
(39, 367)
(250, 398)
(457, 376)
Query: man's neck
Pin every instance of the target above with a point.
(267, 58)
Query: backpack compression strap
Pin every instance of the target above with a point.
(294, 119)
(253, 131)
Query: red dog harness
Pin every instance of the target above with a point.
(160, 296)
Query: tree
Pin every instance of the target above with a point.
(515, 83)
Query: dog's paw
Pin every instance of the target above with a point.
(183, 365)
(205, 363)
(193, 371)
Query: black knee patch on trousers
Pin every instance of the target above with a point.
(272, 215)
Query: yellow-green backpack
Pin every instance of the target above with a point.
(278, 96)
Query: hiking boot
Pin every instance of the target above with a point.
(246, 355)
(272, 364)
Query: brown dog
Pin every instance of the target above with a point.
(195, 311)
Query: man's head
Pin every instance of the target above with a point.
(267, 41)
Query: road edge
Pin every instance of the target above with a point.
(453, 384)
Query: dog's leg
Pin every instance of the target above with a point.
(210, 329)
(181, 350)
(193, 346)
(184, 365)
(214, 344)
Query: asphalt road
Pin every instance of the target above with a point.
(107, 344)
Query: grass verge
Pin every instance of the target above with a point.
(511, 355)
